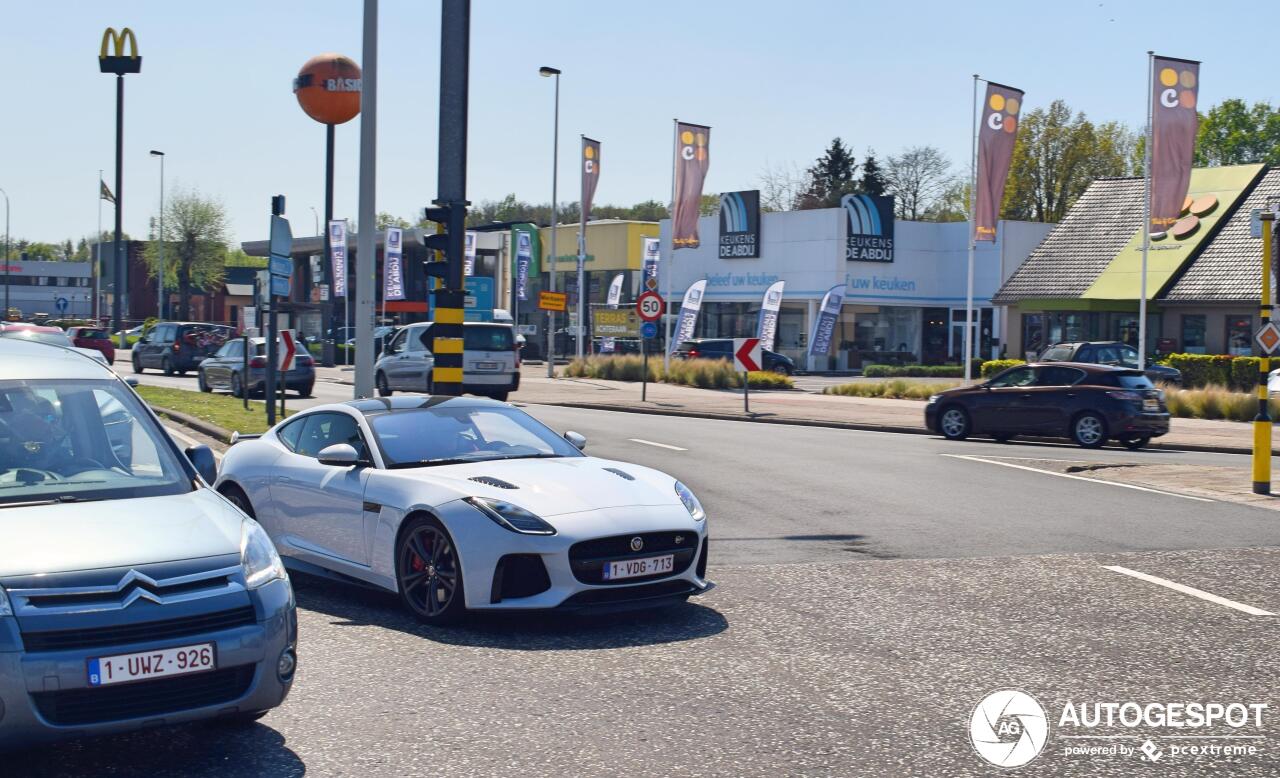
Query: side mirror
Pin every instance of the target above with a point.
(202, 459)
(132, 382)
(339, 455)
(578, 440)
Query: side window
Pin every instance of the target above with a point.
(1018, 376)
(290, 433)
(1058, 376)
(326, 429)
(397, 343)
(1086, 354)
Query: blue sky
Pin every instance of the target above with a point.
(775, 80)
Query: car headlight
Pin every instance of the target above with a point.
(258, 557)
(933, 398)
(511, 517)
(690, 502)
(5, 609)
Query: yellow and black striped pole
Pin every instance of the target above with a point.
(1262, 422)
(446, 342)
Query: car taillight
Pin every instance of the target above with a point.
(693, 353)
(301, 360)
(1125, 395)
(517, 352)
(258, 362)
(177, 346)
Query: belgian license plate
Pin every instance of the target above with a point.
(144, 665)
(486, 366)
(1150, 404)
(634, 568)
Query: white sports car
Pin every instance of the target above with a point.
(467, 504)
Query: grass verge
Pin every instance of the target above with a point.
(220, 409)
(897, 389)
(1215, 402)
(701, 373)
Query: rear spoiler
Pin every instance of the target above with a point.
(236, 437)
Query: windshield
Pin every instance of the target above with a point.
(89, 334)
(487, 338)
(52, 338)
(447, 435)
(71, 440)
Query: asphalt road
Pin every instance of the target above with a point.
(872, 588)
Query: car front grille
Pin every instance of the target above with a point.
(144, 698)
(68, 639)
(632, 595)
(588, 558)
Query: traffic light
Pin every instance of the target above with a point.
(438, 264)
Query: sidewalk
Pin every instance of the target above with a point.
(793, 407)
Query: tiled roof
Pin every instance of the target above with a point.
(1229, 268)
(1074, 254)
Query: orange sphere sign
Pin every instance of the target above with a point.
(328, 88)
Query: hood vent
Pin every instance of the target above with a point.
(620, 474)
(494, 482)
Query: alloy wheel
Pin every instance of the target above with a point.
(428, 571)
(1090, 431)
(954, 423)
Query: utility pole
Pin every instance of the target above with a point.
(119, 65)
(367, 239)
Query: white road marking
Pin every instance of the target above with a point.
(188, 440)
(1177, 587)
(1078, 477)
(659, 445)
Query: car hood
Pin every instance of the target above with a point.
(116, 533)
(551, 487)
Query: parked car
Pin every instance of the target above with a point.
(459, 503)
(1110, 352)
(52, 336)
(131, 593)
(94, 338)
(178, 346)
(225, 370)
(1087, 403)
(722, 348)
(491, 361)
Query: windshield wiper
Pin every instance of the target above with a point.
(440, 461)
(541, 455)
(62, 498)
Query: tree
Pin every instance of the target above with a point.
(709, 205)
(1056, 157)
(780, 186)
(384, 220)
(952, 205)
(917, 178)
(830, 178)
(1233, 133)
(873, 182)
(195, 242)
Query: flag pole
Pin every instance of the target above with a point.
(582, 252)
(973, 199)
(671, 249)
(1146, 216)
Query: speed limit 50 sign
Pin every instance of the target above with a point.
(649, 306)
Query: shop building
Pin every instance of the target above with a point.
(1203, 280)
(905, 307)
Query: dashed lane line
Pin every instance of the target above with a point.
(659, 445)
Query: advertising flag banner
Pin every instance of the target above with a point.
(767, 329)
(1175, 87)
(104, 192)
(338, 256)
(524, 255)
(469, 255)
(1001, 112)
(869, 219)
(590, 174)
(689, 309)
(612, 299)
(740, 225)
(825, 326)
(692, 160)
(650, 261)
(393, 265)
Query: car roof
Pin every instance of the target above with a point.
(27, 327)
(1089, 367)
(31, 359)
(376, 406)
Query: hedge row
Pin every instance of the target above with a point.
(702, 373)
(991, 367)
(1199, 370)
(913, 371)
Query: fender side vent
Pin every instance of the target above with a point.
(494, 482)
(620, 473)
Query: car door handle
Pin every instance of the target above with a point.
(283, 479)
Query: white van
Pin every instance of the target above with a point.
(490, 361)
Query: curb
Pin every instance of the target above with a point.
(199, 425)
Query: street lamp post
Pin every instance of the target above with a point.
(160, 268)
(6, 255)
(548, 72)
(119, 65)
(316, 216)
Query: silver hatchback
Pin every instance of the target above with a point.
(490, 360)
(159, 603)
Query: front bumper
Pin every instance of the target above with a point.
(45, 695)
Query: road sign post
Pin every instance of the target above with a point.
(278, 286)
(747, 358)
(649, 308)
(1262, 422)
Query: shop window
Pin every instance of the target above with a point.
(1239, 336)
(1193, 334)
(889, 336)
(1033, 335)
